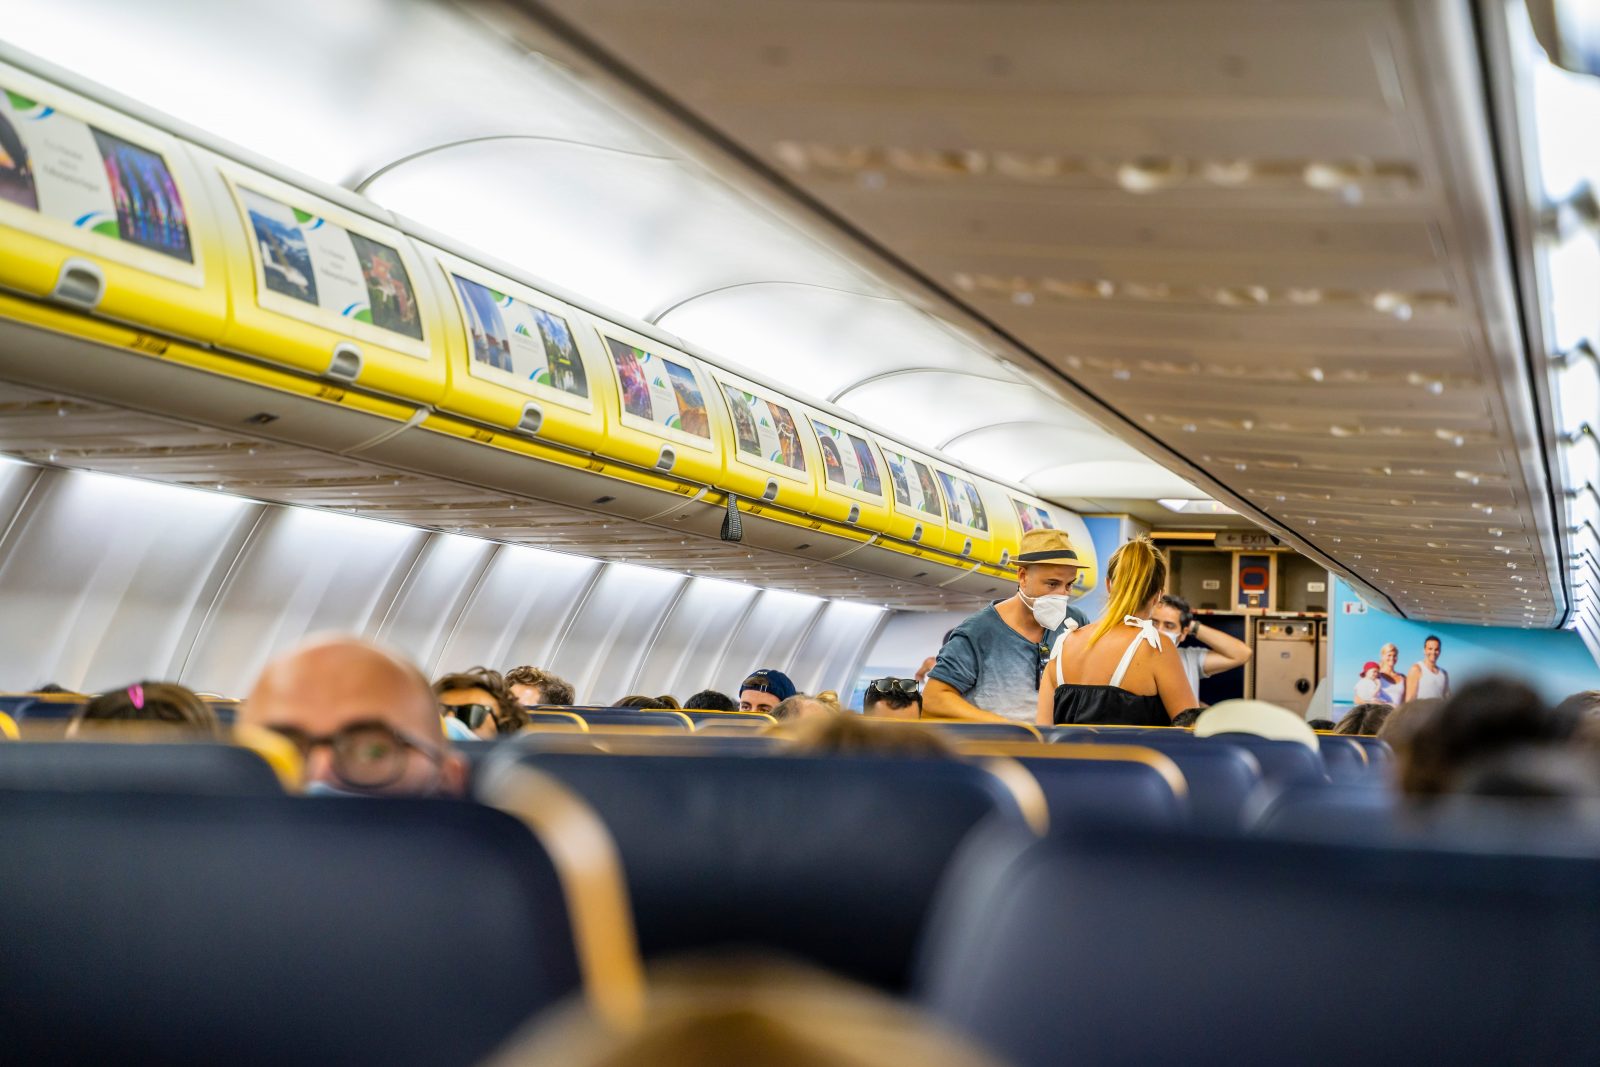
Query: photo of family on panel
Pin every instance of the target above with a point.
(1382, 683)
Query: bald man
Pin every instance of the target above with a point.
(365, 719)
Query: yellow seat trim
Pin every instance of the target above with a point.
(1161, 762)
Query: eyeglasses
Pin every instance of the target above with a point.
(890, 686)
(367, 755)
(474, 715)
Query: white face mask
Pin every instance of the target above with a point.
(1048, 611)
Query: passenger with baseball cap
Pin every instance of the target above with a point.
(764, 690)
(989, 668)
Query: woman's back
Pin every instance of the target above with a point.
(1128, 676)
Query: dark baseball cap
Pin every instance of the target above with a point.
(769, 681)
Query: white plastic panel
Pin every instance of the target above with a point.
(428, 605)
(353, 84)
(901, 405)
(769, 636)
(637, 233)
(610, 635)
(515, 613)
(691, 643)
(100, 576)
(908, 638)
(835, 647)
(303, 572)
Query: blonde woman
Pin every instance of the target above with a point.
(1118, 670)
(1391, 685)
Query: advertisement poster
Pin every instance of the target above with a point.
(966, 507)
(1032, 517)
(847, 460)
(67, 170)
(659, 391)
(923, 493)
(764, 430)
(519, 341)
(314, 261)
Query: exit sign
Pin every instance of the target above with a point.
(1245, 539)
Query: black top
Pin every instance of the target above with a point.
(1107, 705)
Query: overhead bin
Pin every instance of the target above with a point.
(660, 420)
(325, 289)
(851, 489)
(977, 526)
(103, 213)
(519, 359)
(914, 494)
(768, 457)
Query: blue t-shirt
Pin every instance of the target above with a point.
(994, 667)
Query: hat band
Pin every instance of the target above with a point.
(1047, 555)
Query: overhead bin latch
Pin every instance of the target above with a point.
(667, 459)
(1005, 557)
(532, 419)
(966, 549)
(916, 535)
(855, 513)
(80, 283)
(771, 495)
(346, 362)
(732, 526)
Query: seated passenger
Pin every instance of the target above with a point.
(365, 720)
(763, 690)
(1258, 719)
(1186, 719)
(1321, 726)
(893, 698)
(1533, 772)
(800, 706)
(737, 1011)
(1364, 720)
(532, 686)
(858, 735)
(710, 700)
(148, 703)
(831, 698)
(670, 702)
(640, 702)
(1119, 670)
(479, 698)
(1484, 719)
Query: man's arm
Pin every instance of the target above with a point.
(1226, 651)
(943, 701)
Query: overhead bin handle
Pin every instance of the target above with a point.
(346, 362)
(855, 513)
(80, 283)
(916, 535)
(966, 549)
(667, 459)
(1005, 557)
(532, 419)
(771, 494)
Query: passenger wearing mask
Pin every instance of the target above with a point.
(1220, 651)
(989, 667)
(1119, 670)
(479, 698)
(1426, 680)
(764, 690)
(364, 719)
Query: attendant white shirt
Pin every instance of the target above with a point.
(1433, 684)
(1194, 665)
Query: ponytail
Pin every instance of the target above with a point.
(1136, 574)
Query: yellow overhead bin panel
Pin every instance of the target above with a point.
(768, 458)
(519, 359)
(661, 420)
(103, 213)
(325, 289)
(977, 526)
(915, 494)
(852, 485)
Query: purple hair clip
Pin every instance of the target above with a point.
(136, 694)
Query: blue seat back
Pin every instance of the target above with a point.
(181, 930)
(834, 860)
(1106, 791)
(1283, 763)
(35, 710)
(1346, 761)
(198, 767)
(982, 731)
(1379, 753)
(673, 720)
(1138, 946)
(1339, 812)
(1222, 778)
